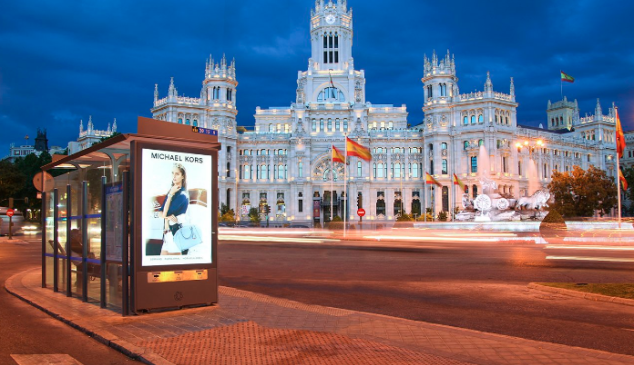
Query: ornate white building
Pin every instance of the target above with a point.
(90, 135)
(285, 162)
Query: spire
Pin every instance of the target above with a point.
(108, 130)
(488, 85)
(172, 88)
(114, 125)
(156, 93)
(81, 126)
(598, 113)
(513, 89)
(90, 126)
(434, 59)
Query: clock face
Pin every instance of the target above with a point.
(330, 18)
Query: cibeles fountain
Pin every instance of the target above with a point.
(492, 206)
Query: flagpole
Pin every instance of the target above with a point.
(345, 185)
(618, 169)
(332, 181)
(424, 184)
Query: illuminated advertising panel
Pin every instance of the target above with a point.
(176, 208)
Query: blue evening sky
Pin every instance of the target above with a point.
(62, 61)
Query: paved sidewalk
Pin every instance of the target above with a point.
(250, 328)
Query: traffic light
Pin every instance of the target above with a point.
(268, 209)
(10, 203)
(359, 201)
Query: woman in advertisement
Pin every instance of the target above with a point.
(174, 209)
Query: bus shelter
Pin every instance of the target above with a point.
(131, 222)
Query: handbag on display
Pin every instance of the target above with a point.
(187, 237)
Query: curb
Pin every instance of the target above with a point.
(146, 356)
(579, 294)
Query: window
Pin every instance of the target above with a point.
(466, 144)
(300, 205)
(228, 94)
(475, 191)
(474, 164)
(359, 169)
(331, 94)
(465, 120)
(186, 121)
(445, 199)
(444, 166)
(247, 172)
(195, 123)
(414, 170)
(345, 125)
(480, 142)
(180, 120)
(279, 128)
(443, 146)
(473, 119)
(480, 119)
(331, 48)
(228, 169)
(263, 172)
(380, 170)
(397, 170)
(431, 167)
(519, 168)
(504, 160)
(337, 124)
(321, 125)
(300, 170)
(314, 125)
(271, 128)
(329, 125)
(380, 203)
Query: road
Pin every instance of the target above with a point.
(25, 330)
(475, 285)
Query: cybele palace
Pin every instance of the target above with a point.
(286, 161)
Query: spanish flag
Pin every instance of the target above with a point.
(355, 149)
(623, 181)
(457, 181)
(565, 77)
(430, 180)
(620, 137)
(337, 156)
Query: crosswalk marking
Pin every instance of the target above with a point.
(45, 359)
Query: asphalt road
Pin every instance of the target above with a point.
(480, 286)
(27, 330)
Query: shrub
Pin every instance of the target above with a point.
(442, 216)
(553, 216)
(404, 218)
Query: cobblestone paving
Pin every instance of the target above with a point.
(251, 328)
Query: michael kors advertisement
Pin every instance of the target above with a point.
(176, 210)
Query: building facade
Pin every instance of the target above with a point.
(286, 161)
(90, 135)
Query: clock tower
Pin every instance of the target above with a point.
(331, 36)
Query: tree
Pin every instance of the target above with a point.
(580, 193)
(254, 215)
(240, 129)
(29, 166)
(12, 180)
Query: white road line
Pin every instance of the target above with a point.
(45, 359)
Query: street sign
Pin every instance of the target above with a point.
(10, 212)
(360, 212)
(48, 183)
(200, 130)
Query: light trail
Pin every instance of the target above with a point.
(265, 239)
(591, 247)
(589, 258)
(448, 239)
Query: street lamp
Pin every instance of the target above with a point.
(530, 145)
